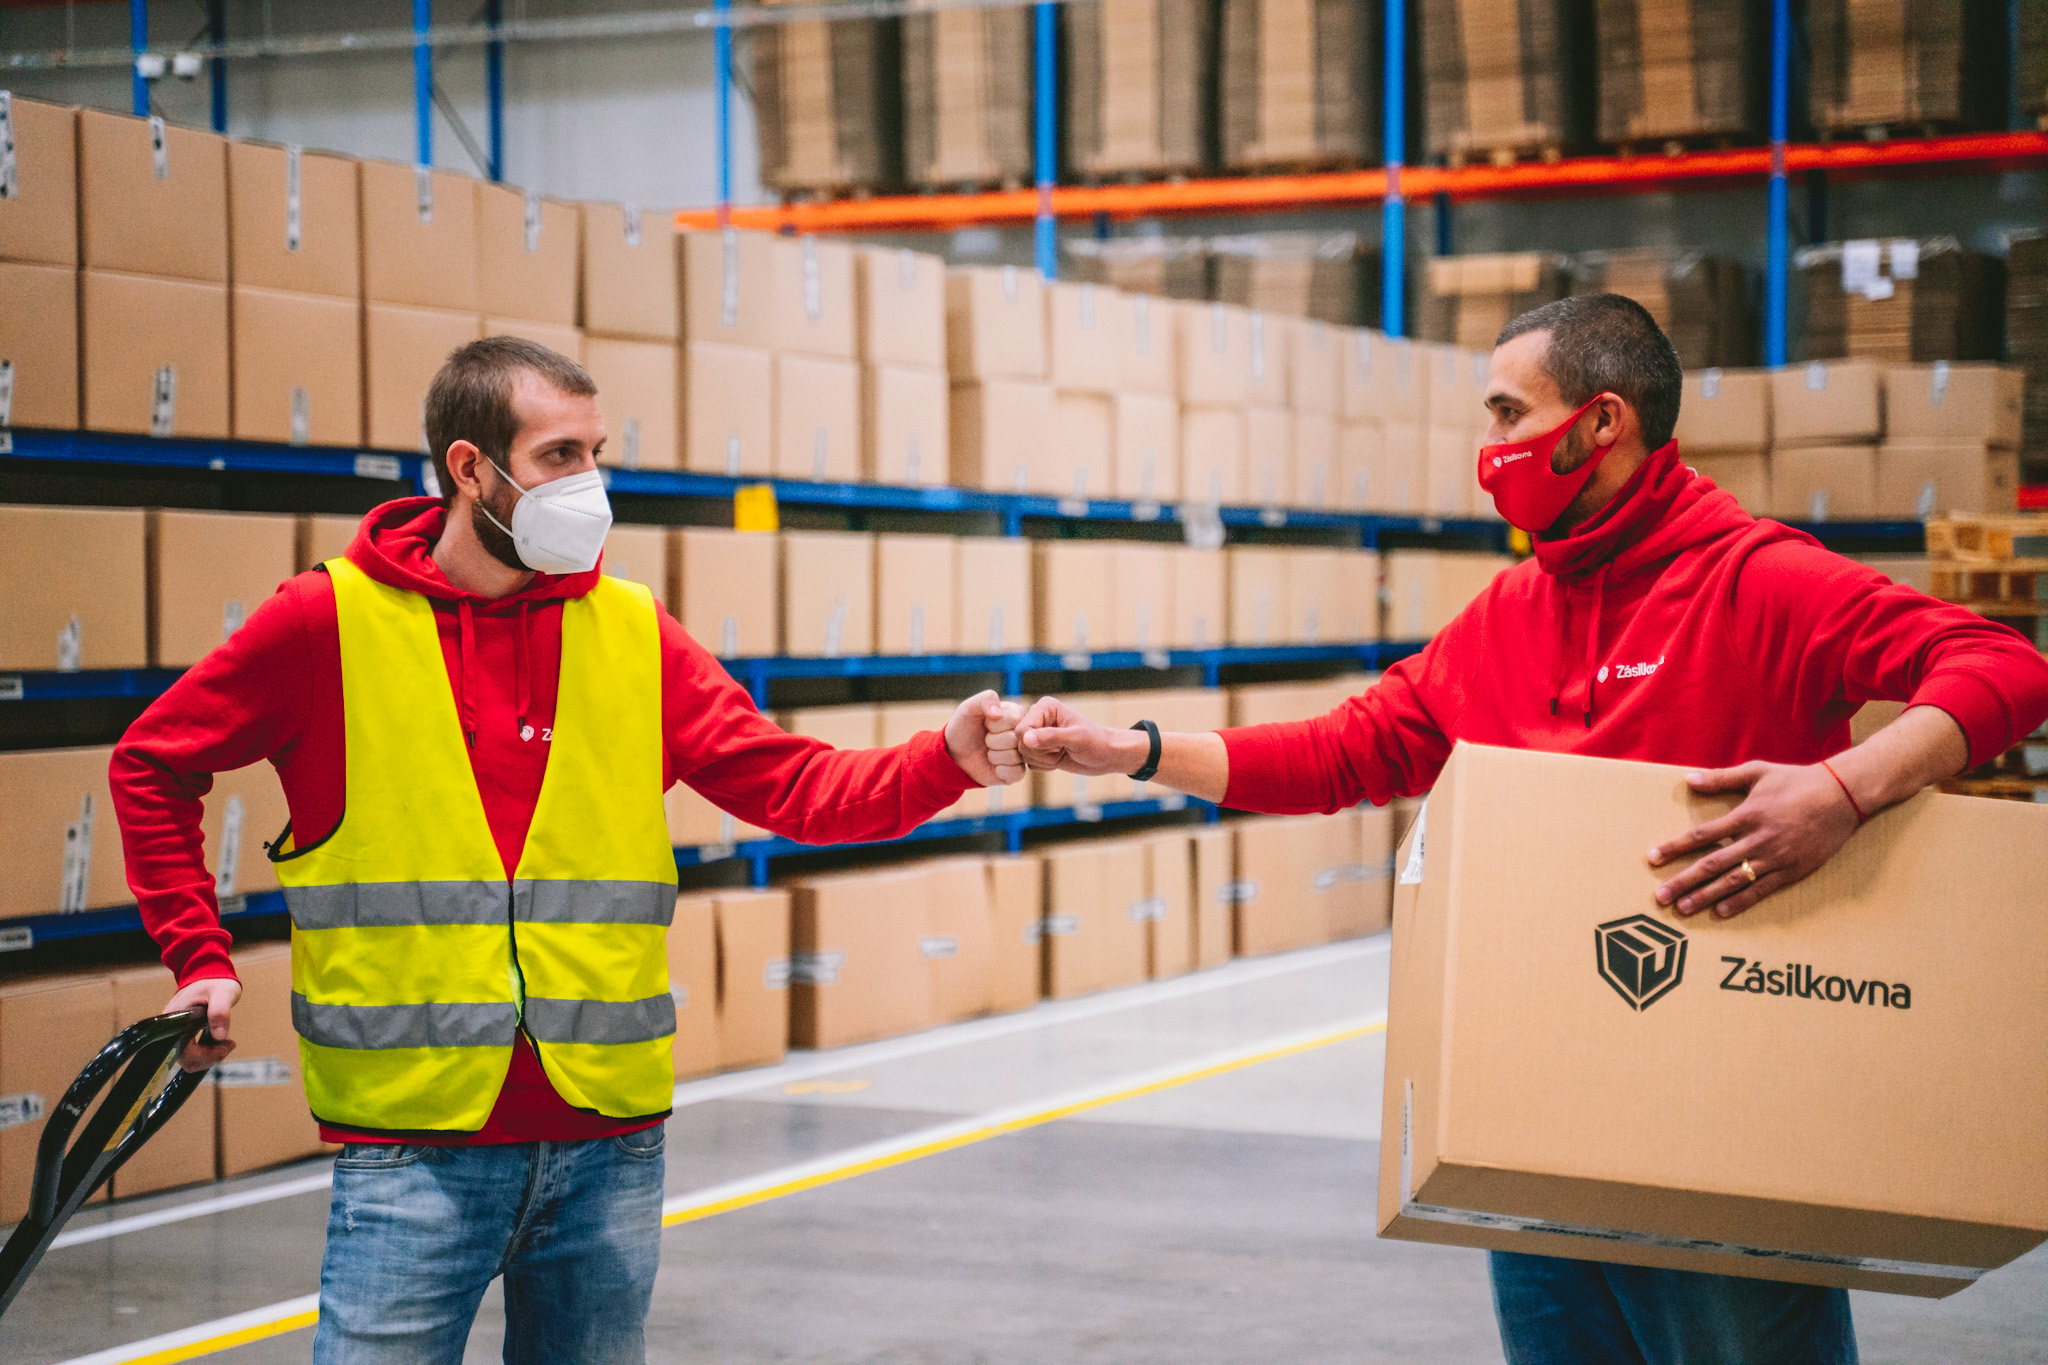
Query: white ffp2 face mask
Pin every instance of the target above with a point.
(558, 527)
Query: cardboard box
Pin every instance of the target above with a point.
(1724, 410)
(1276, 907)
(1076, 462)
(1821, 483)
(1268, 350)
(728, 279)
(1954, 404)
(1404, 451)
(527, 255)
(1146, 437)
(817, 418)
(1358, 596)
(1456, 393)
(1016, 907)
(1259, 613)
(1276, 703)
(1151, 359)
(1086, 330)
(811, 296)
(419, 237)
(39, 216)
(1314, 362)
(1200, 599)
(693, 984)
(842, 727)
(727, 589)
(640, 554)
(562, 340)
(1451, 477)
(1313, 589)
(637, 392)
(959, 939)
(294, 220)
(753, 977)
(993, 601)
(50, 1027)
(1916, 481)
(73, 588)
(1213, 459)
(629, 272)
(901, 297)
(152, 198)
(995, 324)
(828, 593)
(403, 348)
(1906, 1106)
(998, 433)
(39, 344)
(1141, 595)
(1426, 589)
(298, 366)
(183, 1150)
(245, 810)
(60, 844)
(914, 594)
(1096, 923)
(154, 354)
(1745, 474)
(1400, 380)
(1827, 402)
(1269, 455)
(1370, 894)
(727, 409)
(1361, 481)
(322, 537)
(1214, 850)
(1075, 610)
(207, 572)
(694, 821)
(1316, 470)
(1215, 346)
(260, 1092)
(1358, 398)
(1169, 905)
(905, 426)
(857, 966)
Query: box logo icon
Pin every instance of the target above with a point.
(1642, 958)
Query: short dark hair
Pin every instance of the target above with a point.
(471, 397)
(1608, 343)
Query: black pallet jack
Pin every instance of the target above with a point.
(143, 1086)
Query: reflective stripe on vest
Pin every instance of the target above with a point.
(415, 960)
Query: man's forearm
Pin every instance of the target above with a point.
(1923, 746)
(1194, 762)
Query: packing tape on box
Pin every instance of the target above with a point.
(254, 1071)
(71, 646)
(1937, 385)
(1141, 326)
(939, 945)
(729, 280)
(6, 393)
(913, 459)
(1710, 382)
(159, 149)
(1237, 893)
(301, 416)
(17, 1109)
(1258, 348)
(1219, 329)
(532, 221)
(232, 615)
(1411, 871)
(163, 401)
(1506, 1222)
(77, 866)
(423, 192)
(1087, 307)
(776, 974)
(230, 855)
(1151, 908)
(906, 268)
(629, 444)
(997, 639)
(814, 282)
(680, 995)
(917, 628)
(1061, 924)
(629, 218)
(835, 627)
(293, 219)
(10, 185)
(1009, 284)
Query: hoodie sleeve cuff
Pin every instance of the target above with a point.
(1975, 705)
(210, 963)
(931, 777)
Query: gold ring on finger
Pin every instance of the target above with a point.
(1749, 872)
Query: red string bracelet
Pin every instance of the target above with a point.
(1860, 816)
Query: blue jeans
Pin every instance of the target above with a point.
(1558, 1312)
(416, 1234)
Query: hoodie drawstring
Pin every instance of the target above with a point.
(1559, 672)
(522, 673)
(1564, 639)
(468, 670)
(1593, 638)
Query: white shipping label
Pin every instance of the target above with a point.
(728, 828)
(939, 945)
(729, 279)
(532, 221)
(1144, 631)
(996, 637)
(1861, 266)
(913, 461)
(1905, 258)
(1816, 376)
(814, 283)
(629, 218)
(1023, 477)
(816, 969)
(293, 217)
(1258, 348)
(10, 184)
(775, 974)
(1411, 871)
(1148, 471)
(1710, 382)
(835, 627)
(232, 615)
(1481, 361)
(906, 268)
(388, 468)
(732, 456)
(1087, 307)
(629, 444)
(17, 938)
(1937, 385)
(1062, 924)
(1879, 289)
(1219, 329)
(71, 896)
(242, 1074)
(1817, 505)
(1141, 316)
(821, 451)
(430, 482)
(729, 637)
(1009, 284)
(163, 401)
(6, 393)
(1328, 878)
(159, 149)
(1923, 506)
(917, 628)
(229, 859)
(71, 646)
(1312, 625)
(1237, 893)
(17, 1109)
(302, 416)
(1408, 1140)
(1153, 907)
(1361, 351)
(679, 994)
(423, 192)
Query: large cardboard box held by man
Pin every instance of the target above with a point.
(1847, 1085)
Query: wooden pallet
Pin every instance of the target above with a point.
(827, 194)
(2014, 588)
(1679, 146)
(1886, 132)
(1547, 153)
(2005, 541)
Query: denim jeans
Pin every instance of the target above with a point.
(416, 1234)
(1558, 1312)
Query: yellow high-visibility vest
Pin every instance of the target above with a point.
(414, 961)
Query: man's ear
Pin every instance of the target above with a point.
(1613, 413)
(463, 459)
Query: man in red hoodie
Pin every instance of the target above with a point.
(474, 729)
(1658, 621)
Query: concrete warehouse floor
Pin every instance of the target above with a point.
(1226, 1219)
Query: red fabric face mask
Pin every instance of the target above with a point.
(1525, 489)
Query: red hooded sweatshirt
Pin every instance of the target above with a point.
(273, 691)
(1671, 628)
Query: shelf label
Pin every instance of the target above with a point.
(1147, 510)
(629, 217)
(11, 687)
(1157, 658)
(17, 939)
(159, 149)
(380, 467)
(423, 192)
(1073, 507)
(25, 1107)
(533, 221)
(1077, 663)
(163, 401)
(10, 185)
(1273, 517)
(293, 217)
(6, 393)
(71, 894)
(239, 1075)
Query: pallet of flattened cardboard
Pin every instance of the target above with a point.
(1678, 71)
(1499, 78)
(1994, 565)
(828, 105)
(1299, 84)
(967, 97)
(1873, 1109)
(1137, 76)
(1901, 299)
(1903, 69)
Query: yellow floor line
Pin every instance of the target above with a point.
(230, 1340)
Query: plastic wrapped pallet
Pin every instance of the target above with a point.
(1898, 65)
(1300, 83)
(967, 97)
(1901, 299)
(2030, 63)
(1323, 275)
(1701, 301)
(1468, 299)
(1169, 267)
(1678, 69)
(827, 105)
(1137, 78)
(1498, 76)
(2026, 339)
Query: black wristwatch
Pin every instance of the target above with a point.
(1151, 768)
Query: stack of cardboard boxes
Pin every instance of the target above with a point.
(1878, 67)
(1498, 77)
(1700, 301)
(2026, 333)
(1901, 299)
(1137, 78)
(419, 291)
(967, 101)
(39, 270)
(1413, 419)
(1299, 84)
(631, 327)
(1468, 299)
(826, 105)
(1324, 275)
(1677, 70)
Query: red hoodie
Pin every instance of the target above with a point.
(1671, 628)
(273, 691)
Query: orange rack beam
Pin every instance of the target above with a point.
(1966, 153)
